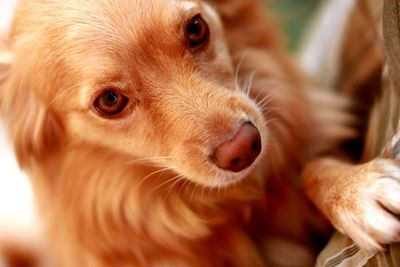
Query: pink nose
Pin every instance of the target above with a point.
(240, 152)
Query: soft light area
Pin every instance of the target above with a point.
(6, 11)
(15, 190)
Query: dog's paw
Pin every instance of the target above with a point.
(368, 204)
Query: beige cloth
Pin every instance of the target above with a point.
(341, 251)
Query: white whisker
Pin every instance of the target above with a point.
(148, 160)
(194, 189)
(269, 110)
(187, 187)
(178, 178)
(153, 173)
(164, 183)
(265, 101)
(238, 70)
(249, 83)
(271, 120)
(182, 186)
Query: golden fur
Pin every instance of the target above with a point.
(139, 189)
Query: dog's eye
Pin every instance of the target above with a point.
(197, 31)
(110, 103)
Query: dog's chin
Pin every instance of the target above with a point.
(227, 180)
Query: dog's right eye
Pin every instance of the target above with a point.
(197, 32)
(110, 103)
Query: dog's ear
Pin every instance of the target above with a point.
(35, 129)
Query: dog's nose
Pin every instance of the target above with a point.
(240, 152)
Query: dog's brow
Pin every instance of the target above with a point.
(190, 5)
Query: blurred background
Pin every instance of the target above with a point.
(294, 17)
(6, 6)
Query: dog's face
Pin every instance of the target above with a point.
(151, 79)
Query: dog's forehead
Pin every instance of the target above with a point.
(124, 23)
(138, 14)
(126, 29)
(189, 4)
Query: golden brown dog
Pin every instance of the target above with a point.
(149, 129)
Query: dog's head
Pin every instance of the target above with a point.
(151, 79)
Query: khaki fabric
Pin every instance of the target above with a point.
(384, 125)
(383, 137)
(342, 252)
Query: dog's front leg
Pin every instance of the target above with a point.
(362, 201)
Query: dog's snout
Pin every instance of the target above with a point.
(240, 152)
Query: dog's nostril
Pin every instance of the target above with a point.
(240, 152)
(256, 146)
(236, 161)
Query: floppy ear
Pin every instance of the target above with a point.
(34, 128)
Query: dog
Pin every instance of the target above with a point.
(164, 133)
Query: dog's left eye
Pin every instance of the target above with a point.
(110, 103)
(197, 32)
